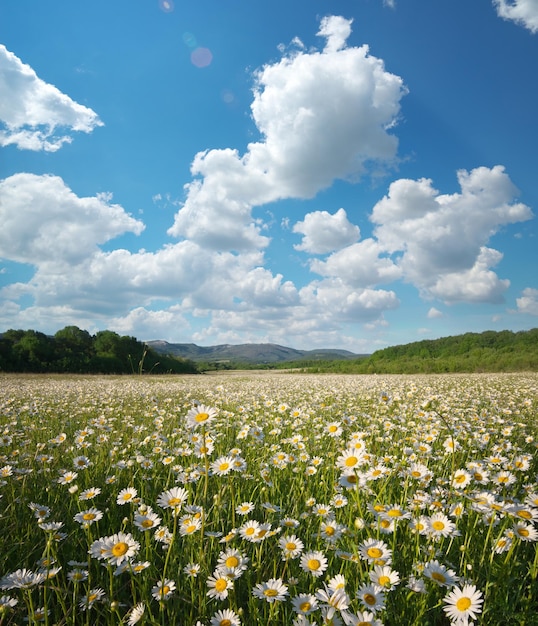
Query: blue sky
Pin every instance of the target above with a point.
(347, 174)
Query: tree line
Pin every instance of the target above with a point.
(72, 350)
(490, 351)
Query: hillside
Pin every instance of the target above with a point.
(248, 353)
(490, 351)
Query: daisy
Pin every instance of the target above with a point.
(349, 460)
(147, 520)
(304, 603)
(461, 479)
(81, 462)
(331, 531)
(89, 494)
(88, 517)
(173, 498)
(126, 495)
(6, 602)
(371, 597)
(227, 617)
(189, 525)
(163, 590)
(440, 574)
(218, 585)
(525, 532)
(67, 477)
(244, 508)
(223, 465)
(385, 577)
(314, 562)
(273, 590)
(249, 530)
(192, 569)
(365, 618)
(439, 525)
(200, 415)
(291, 546)
(22, 579)
(375, 551)
(232, 559)
(93, 596)
(333, 600)
(136, 614)
(334, 429)
(337, 582)
(116, 548)
(462, 604)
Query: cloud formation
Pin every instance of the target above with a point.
(523, 12)
(35, 115)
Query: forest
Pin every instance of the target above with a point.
(72, 350)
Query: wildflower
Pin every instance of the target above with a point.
(223, 465)
(116, 548)
(314, 562)
(163, 590)
(331, 531)
(322, 510)
(22, 579)
(81, 462)
(7, 602)
(227, 617)
(189, 525)
(163, 535)
(173, 498)
(200, 415)
(232, 559)
(88, 517)
(337, 582)
(440, 574)
(439, 525)
(304, 603)
(249, 530)
(461, 479)
(385, 577)
(77, 575)
(67, 477)
(136, 614)
(291, 546)
(394, 512)
(349, 460)
(371, 597)
(365, 618)
(376, 552)
(244, 508)
(273, 590)
(462, 604)
(333, 600)
(219, 586)
(525, 532)
(89, 494)
(147, 520)
(192, 569)
(126, 495)
(93, 596)
(504, 478)
(334, 429)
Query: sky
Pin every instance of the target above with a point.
(345, 174)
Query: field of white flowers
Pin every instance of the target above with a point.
(226, 500)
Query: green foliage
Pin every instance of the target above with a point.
(72, 350)
(490, 351)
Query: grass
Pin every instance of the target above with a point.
(269, 499)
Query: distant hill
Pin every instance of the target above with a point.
(489, 351)
(248, 353)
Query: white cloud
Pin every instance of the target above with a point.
(442, 238)
(434, 313)
(359, 265)
(322, 116)
(523, 12)
(35, 114)
(44, 222)
(528, 303)
(323, 232)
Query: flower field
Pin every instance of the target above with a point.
(271, 498)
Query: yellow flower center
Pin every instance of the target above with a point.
(351, 461)
(225, 622)
(223, 467)
(305, 606)
(291, 546)
(374, 553)
(250, 531)
(221, 584)
(329, 530)
(201, 417)
(369, 599)
(523, 532)
(524, 514)
(438, 525)
(314, 564)
(147, 523)
(88, 516)
(270, 593)
(463, 604)
(383, 581)
(394, 513)
(120, 548)
(460, 478)
(332, 428)
(232, 561)
(438, 577)
(415, 474)
(190, 529)
(165, 589)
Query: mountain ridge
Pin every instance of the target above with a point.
(251, 353)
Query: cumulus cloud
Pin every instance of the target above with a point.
(44, 222)
(321, 115)
(528, 303)
(441, 239)
(36, 115)
(323, 232)
(434, 313)
(523, 12)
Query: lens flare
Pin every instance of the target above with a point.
(201, 57)
(166, 5)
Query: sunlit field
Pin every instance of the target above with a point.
(221, 500)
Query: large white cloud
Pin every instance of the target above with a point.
(323, 115)
(528, 302)
(44, 222)
(323, 232)
(36, 115)
(441, 239)
(524, 12)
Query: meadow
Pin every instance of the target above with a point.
(269, 498)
